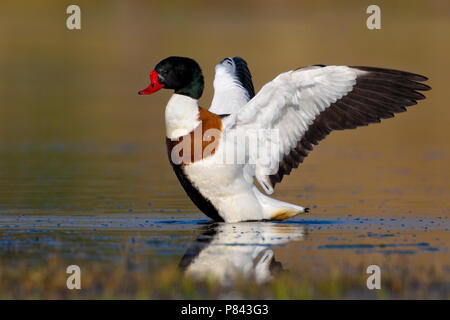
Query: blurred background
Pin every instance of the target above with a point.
(75, 137)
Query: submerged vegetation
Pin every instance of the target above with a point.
(50, 283)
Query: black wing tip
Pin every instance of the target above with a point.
(394, 72)
(239, 60)
(306, 210)
(244, 75)
(425, 87)
(409, 75)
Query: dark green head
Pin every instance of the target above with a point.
(178, 73)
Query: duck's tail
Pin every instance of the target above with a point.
(278, 210)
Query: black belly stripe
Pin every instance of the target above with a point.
(199, 200)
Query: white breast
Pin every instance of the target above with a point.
(181, 116)
(225, 186)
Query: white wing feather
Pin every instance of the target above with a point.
(229, 94)
(287, 106)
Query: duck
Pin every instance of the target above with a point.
(226, 251)
(220, 155)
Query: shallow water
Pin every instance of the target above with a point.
(82, 209)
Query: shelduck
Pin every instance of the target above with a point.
(217, 154)
(225, 251)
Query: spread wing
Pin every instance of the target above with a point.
(233, 86)
(303, 106)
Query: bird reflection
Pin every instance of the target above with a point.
(224, 251)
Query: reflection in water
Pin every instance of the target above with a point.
(224, 251)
